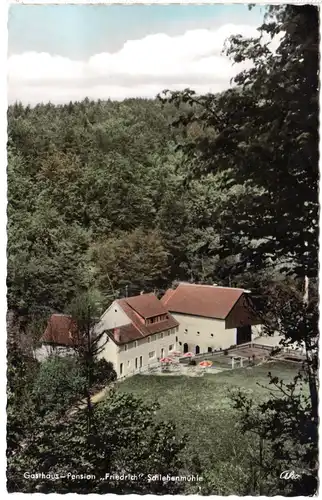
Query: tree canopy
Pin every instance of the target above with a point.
(263, 135)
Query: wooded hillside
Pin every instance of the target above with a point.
(97, 198)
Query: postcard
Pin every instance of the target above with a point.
(162, 254)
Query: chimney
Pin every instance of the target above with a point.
(117, 335)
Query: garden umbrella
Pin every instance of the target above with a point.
(205, 364)
(166, 360)
(188, 355)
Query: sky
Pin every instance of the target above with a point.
(59, 53)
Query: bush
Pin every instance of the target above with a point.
(103, 372)
(59, 382)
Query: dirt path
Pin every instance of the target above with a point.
(96, 398)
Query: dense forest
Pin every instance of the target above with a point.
(112, 198)
(97, 197)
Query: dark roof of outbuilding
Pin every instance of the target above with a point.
(61, 330)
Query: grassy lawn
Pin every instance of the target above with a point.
(201, 407)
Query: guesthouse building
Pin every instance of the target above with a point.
(211, 317)
(137, 332)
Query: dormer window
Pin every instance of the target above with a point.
(156, 319)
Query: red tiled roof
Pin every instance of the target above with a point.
(138, 309)
(202, 300)
(128, 333)
(168, 294)
(146, 305)
(61, 330)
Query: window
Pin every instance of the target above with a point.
(149, 340)
(161, 335)
(211, 335)
(128, 363)
(115, 310)
(136, 343)
(198, 333)
(136, 363)
(176, 339)
(121, 368)
(209, 349)
(171, 347)
(141, 361)
(155, 319)
(186, 330)
(151, 354)
(125, 347)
